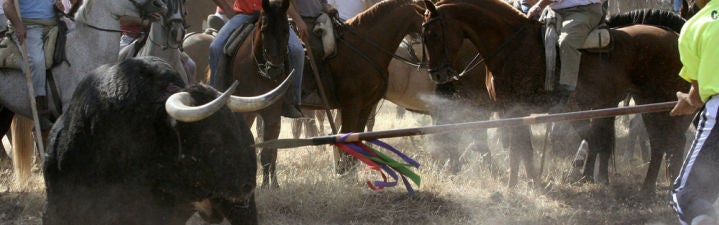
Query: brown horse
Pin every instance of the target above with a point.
(644, 62)
(267, 45)
(197, 46)
(364, 51)
(197, 14)
(359, 71)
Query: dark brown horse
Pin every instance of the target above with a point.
(267, 45)
(644, 61)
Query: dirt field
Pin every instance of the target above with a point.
(310, 193)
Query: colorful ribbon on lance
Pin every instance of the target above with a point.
(379, 161)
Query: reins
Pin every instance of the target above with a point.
(374, 44)
(261, 66)
(475, 61)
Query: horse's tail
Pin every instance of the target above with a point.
(653, 17)
(22, 149)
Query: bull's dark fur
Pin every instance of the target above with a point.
(654, 17)
(116, 157)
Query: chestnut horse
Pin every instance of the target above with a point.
(359, 70)
(644, 62)
(364, 51)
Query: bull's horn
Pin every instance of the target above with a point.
(250, 104)
(180, 106)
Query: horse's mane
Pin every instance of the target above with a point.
(377, 12)
(490, 5)
(83, 11)
(653, 17)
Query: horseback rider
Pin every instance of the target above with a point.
(242, 12)
(133, 28)
(579, 18)
(694, 190)
(38, 17)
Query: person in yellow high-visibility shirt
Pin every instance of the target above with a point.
(695, 189)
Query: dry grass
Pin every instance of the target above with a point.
(310, 193)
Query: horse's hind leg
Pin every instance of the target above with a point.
(666, 135)
(520, 150)
(297, 126)
(601, 145)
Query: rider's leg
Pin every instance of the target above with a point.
(219, 42)
(577, 22)
(297, 61)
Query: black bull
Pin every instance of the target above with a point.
(116, 157)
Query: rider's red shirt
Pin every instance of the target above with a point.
(247, 6)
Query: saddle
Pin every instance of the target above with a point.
(598, 41)
(10, 56)
(323, 27)
(230, 49)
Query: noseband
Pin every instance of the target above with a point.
(263, 68)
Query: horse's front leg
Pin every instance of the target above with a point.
(268, 156)
(666, 135)
(520, 150)
(354, 119)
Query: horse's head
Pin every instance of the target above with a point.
(144, 7)
(270, 44)
(443, 38)
(173, 21)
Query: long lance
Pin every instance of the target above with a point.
(31, 91)
(521, 121)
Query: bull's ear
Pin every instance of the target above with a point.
(430, 8)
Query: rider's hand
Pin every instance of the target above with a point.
(59, 5)
(534, 12)
(20, 33)
(301, 29)
(331, 11)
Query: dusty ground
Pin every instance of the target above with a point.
(310, 193)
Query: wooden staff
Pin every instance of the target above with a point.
(31, 90)
(528, 120)
(320, 85)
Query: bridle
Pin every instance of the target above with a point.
(170, 24)
(263, 68)
(475, 61)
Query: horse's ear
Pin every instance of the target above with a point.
(285, 4)
(265, 4)
(430, 7)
